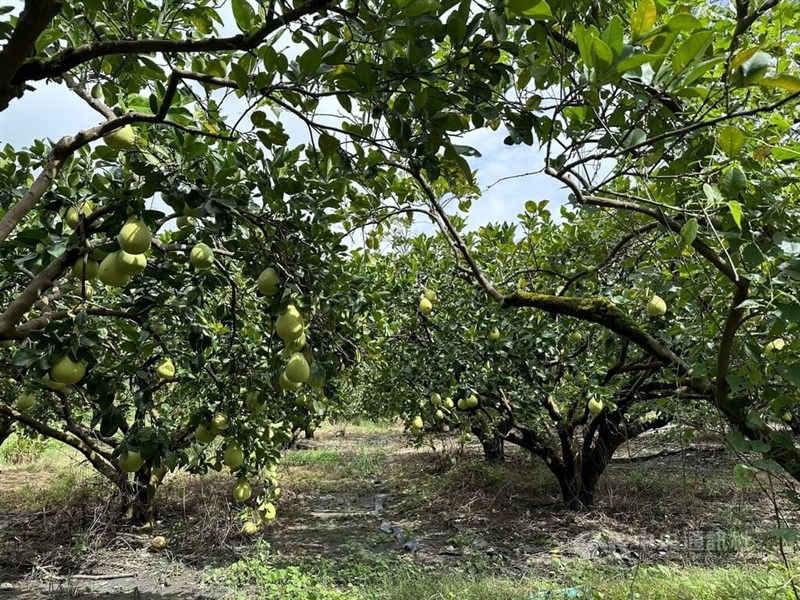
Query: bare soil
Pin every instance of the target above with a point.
(384, 497)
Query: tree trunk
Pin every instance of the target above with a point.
(6, 427)
(577, 492)
(494, 449)
(578, 480)
(138, 497)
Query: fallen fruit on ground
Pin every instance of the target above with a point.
(267, 511)
(159, 542)
(250, 528)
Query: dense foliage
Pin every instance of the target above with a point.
(671, 126)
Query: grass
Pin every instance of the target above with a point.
(327, 544)
(365, 576)
(305, 458)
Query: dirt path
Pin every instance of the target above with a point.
(370, 499)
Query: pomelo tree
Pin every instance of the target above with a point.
(665, 121)
(673, 126)
(179, 207)
(568, 392)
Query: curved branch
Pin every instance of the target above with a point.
(98, 462)
(602, 312)
(64, 61)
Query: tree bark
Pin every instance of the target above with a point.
(6, 427)
(138, 497)
(493, 449)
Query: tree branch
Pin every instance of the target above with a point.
(35, 17)
(61, 62)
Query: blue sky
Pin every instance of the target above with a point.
(52, 112)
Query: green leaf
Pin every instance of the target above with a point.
(583, 37)
(456, 29)
(744, 474)
(635, 137)
(243, 14)
(740, 444)
(637, 60)
(327, 143)
(791, 373)
(532, 9)
(786, 534)
(309, 61)
(712, 194)
(643, 18)
(736, 213)
(531, 207)
(782, 82)
(752, 66)
(767, 464)
(613, 35)
(415, 8)
(682, 21)
(700, 69)
(691, 49)
(601, 54)
(732, 182)
(499, 26)
(689, 231)
(731, 140)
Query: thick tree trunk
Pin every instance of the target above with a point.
(493, 449)
(578, 479)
